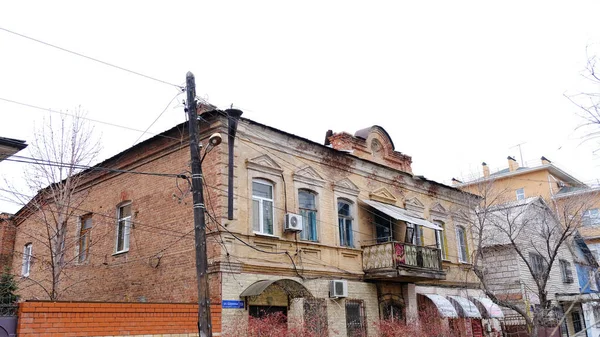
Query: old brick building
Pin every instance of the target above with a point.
(391, 240)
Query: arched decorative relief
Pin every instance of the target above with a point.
(346, 186)
(264, 164)
(384, 195)
(310, 176)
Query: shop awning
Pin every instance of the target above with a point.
(465, 307)
(291, 287)
(402, 214)
(487, 308)
(445, 308)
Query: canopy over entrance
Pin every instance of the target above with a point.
(291, 287)
(488, 308)
(401, 214)
(444, 307)
(465, 307)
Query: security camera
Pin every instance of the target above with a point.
(215, 139)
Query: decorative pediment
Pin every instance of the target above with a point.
(438, 210)
(264, 164)
(460, 216)
(414, 202)
(384, 195)
(310, 176)
(346, 186)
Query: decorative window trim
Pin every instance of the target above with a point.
(264, 164)
(458, 246)
(317, 213)
(309, 176)
(384, 195)
(346, 186)
(353, 206)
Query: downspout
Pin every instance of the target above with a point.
(233, 116)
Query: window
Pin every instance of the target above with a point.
(577, 326)
(440, 238)
(520, 194)
(392, 310)
(355, 318)
(565, 269)
(345, 223)
(27, 254)
(84, 237)
(591, 217)
(262, 207)
(537, 264)
(418, 235)
(315, 316)
(123, 228)
(461, 241)
(308, 210)
(410, 233)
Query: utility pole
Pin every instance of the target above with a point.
(204, 322)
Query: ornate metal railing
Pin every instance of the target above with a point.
(398, 254)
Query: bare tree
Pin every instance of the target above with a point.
(60, 152)
(518, 245)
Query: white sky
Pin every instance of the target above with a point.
(454, 83)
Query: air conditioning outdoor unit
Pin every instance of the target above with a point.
(338, 288)
(293, 222)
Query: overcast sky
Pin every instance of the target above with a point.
(454, 83)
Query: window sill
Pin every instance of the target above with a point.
(120, 253)
(266, 235)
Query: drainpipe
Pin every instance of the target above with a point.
(233, 115)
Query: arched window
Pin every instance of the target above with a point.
(262, 206)
(392, 310)
(461, 242)
(440, 238)
(307, 203)
(345, 221)
(123, 227)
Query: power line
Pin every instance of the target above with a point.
(92, 59)
(45, 162)
(85, 118)
(157, 118)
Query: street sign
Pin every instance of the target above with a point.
(232, 304)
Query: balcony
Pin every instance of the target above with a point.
(402, 262)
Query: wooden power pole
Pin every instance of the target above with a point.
(204, 322)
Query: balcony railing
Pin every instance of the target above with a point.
(393, 255)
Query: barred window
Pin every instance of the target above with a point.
(356, 318)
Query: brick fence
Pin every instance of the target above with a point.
(82, 319)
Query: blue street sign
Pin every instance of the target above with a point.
(232, 304)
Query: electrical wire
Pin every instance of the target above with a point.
(91, 58)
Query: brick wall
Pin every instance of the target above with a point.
(38, 318)
(7, 240)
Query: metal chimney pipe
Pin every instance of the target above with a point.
(233, 115)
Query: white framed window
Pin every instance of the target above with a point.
(345, 220)
(262, 207)
(307, 201)
(123, 228)
(27, 254)
(440, 238)
(521, 194)
(461, 242)
(591, 217)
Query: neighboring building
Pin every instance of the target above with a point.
(549, 182)
(8, 147)
(377, 241)
(527, 229)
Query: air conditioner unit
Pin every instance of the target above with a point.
(338, 288)
(293, 222)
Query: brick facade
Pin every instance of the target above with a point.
(7, 240)
(82, 319)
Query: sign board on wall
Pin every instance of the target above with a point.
(232, 304)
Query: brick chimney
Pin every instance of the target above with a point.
(513, 165)
(545, 161)
(486, 170)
